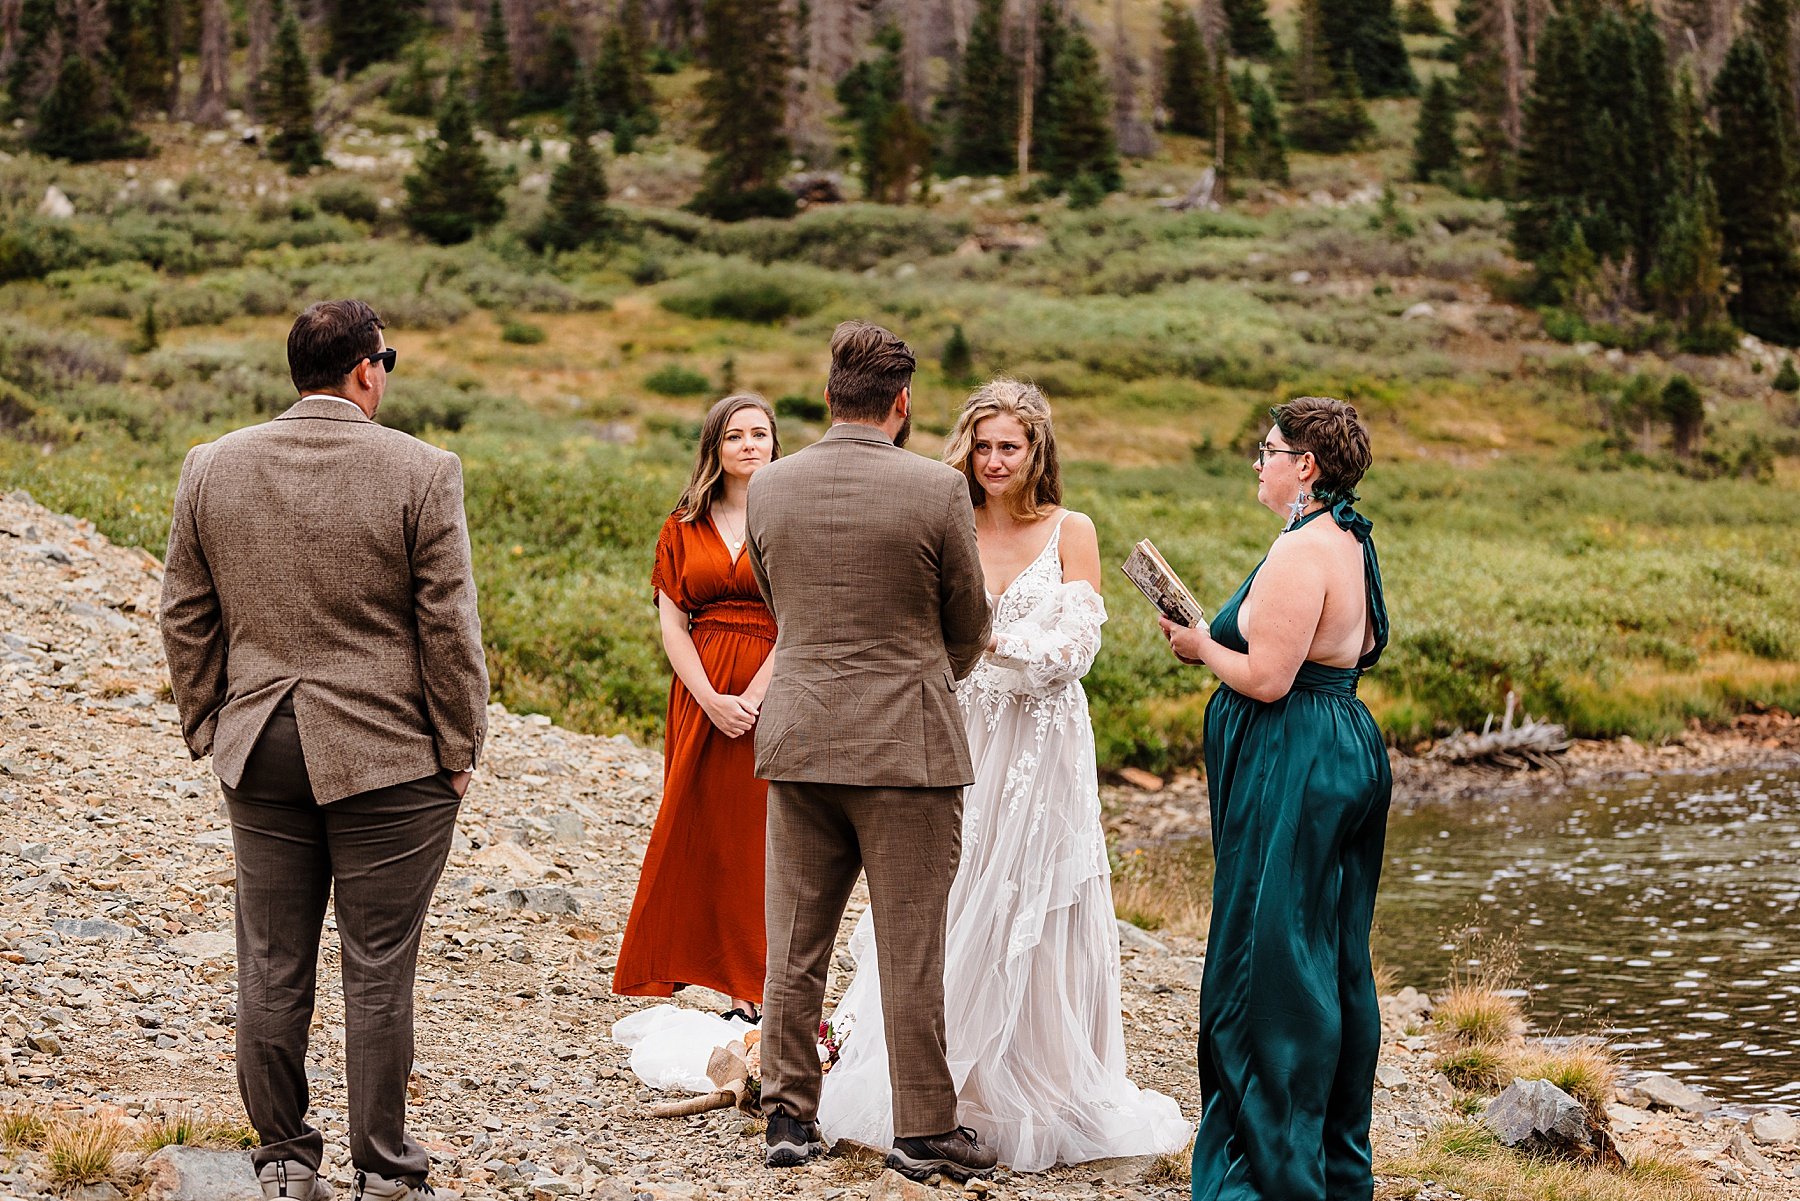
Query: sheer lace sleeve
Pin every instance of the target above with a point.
(1056, 642)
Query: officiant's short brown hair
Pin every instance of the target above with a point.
(1037, 489)
(869, 366)
(1335, 436)
(327, 341)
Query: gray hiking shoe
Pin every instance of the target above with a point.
(291, 1178)
(791, 1142)
(956, 1154)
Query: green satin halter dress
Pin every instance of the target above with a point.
(1290, 1028)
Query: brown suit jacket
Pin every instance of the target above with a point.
(325, 555)
(866, 555)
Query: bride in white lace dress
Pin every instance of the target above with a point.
(1031, 966)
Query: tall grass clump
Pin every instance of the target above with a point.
(82, 1152)
(1586, 1071)
(1159, 891)
(1477, 1020)
(1468, 1158)
(23, 1128)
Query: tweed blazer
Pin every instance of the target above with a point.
(324, 555)
(866, 555)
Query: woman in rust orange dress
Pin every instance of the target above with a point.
(698, 916)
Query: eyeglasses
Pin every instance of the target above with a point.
(1264, 450)
(386, 358)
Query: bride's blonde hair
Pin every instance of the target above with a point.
(1036, 490)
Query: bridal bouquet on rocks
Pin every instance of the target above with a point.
(719, 1059)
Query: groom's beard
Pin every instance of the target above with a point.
(905, 431)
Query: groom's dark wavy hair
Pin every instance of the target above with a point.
(328, 340)
(869, 366)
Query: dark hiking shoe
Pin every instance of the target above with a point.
(792, 1143)
(291, 1178)
(956, 1154)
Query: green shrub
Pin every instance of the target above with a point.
(843, 237)
(676, 380)
(802, 408)
(741, 292)
(1787, 379)
(350, 199)
(522, 333)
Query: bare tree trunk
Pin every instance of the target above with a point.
(1512, 75)
(92, 27)
(9, 33)
(959, 26)
(261, 21)
(917, 31)
(1130, 130)
(175, 29)
(215, 60)
(1027, 90)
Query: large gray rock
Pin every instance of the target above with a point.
(1536, 1117)
(541, 900)
(1658, 1091)
(196, 1174)
(892, 1186)
(1137, 939)
(1775, 1126)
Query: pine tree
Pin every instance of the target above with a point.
(1247, 28)
(1685, 410)
(289, 102)
(1265, 149)
(958, 360)
(416, 93)
(83, 118)
(1328, 115)
(1772, 22)
(891, 146)
(1077, 127)
(1419, 17)
(621, 80)
(1490, 84)
(1436, 156)
(1362, 38)
(494, 93)
(987, 98)
(149, 334)
(32, 72)
(141, 52)
(1557, 158)
(577, 213)
(550, 81)
(744, 101)
(1228, 125)
(359, 33)
(1751, 170)
(455, 193)
(1051, 34)
(1687, 282)
(1187, 73)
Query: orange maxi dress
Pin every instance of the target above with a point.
(698, 916)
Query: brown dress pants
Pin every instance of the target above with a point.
(383, 851)
(909, 841)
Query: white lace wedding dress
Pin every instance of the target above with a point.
(1031, 968)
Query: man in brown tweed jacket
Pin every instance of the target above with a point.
(318, 612)
(867, 556)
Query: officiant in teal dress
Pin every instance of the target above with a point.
(1298, 776)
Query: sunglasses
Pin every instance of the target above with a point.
(386, 358)
(1264, 450)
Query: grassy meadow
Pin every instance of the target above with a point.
(1528, 541)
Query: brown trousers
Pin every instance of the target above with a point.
(383, 852)
(909, 841)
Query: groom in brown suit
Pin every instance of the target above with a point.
(318, 613)
(866, 554)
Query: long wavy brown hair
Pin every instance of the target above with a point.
(1037, 489)
(704, 484)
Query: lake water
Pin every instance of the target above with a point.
(1663, 913)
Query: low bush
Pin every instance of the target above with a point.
(350, 199)
(738, 291)
(522, 333)
(675, 380)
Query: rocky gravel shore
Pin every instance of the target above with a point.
(117, 984)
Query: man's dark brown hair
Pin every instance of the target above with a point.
(869, 366)
(328, 340)
(1335, 435)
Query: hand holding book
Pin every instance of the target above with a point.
(1161, 586)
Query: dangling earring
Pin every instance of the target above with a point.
(1297, 510)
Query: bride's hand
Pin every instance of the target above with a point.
(1189, 644)
(730, 714)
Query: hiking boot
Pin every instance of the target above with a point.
(377, 1187)
(956, 1154)
(791, 1142)
(291, 1178)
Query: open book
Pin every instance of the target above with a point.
(1161, 585)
